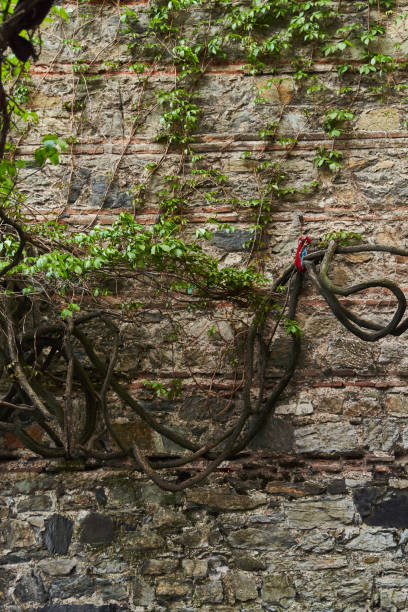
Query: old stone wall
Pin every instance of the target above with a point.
(313, 517)
(328, 535)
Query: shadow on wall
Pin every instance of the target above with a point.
(380, 507)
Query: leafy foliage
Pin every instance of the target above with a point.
(59, 284)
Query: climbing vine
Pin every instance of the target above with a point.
(86, 312)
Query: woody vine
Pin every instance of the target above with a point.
(67, 294)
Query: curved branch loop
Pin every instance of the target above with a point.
(329, 291)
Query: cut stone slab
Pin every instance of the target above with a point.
(294, 489)
(209, 592)
(327, 439)
(278, 589)
(273, 538)
(222, 499)
(322, 513)
(244, 586)
(77, 586)
(57, 567)
(58, 534)
(97, 529)
(385, 119)
(372, 541)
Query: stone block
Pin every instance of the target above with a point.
(173, 589)
(299, 407)
(350, 353)
(292, 123)
(101, 191)
(30, 588)
(320, 563)
(397, 404)
(143, 593)
(77, 586)
(124, 492)
(195, 568)
(165, 518)
(279, 90)
(327, 439)
(294, 489)
(112, 590)
(365, 498)
(57, 567)
(276, 435)
(336, 486)
(381, 434)
(209, 592)
(392, 581)
(35, 503)
(195, 538)
(5, 583)
(278, 589)
(16, 534)
(97, 529)
(393, 355)
(384, 119)
(223, 500)
(372, 541)
(243, 586)
(404, 438)
(58, 534)
(319, 542)
(392, 600)
(323, 513)
(25, 486)
(155, 567)
(78, 181)
(354, 590)
(142, 541)
(273, 538)
(232, 241)
(249, 562)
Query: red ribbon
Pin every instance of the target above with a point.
(301, 245)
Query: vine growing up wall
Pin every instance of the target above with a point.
(114, 334)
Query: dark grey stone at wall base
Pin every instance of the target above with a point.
(58, 534)
(30, 588)
(97, 529)
(77, 586)
(376, 510)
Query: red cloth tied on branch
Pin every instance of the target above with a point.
(301, 252)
